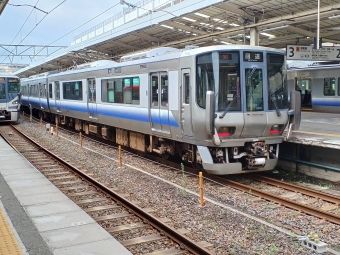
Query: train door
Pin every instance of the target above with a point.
(304, 86)
(40, 94)
(255, 118)
(186, 124)
(57, 96)
(91, 98)
(159, 106)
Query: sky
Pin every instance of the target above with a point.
(59, 21)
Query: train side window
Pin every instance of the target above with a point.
(73, 90)
(135, 90)
(50, 90)
(165, 89)
(329, 87)
(127, 91)
(154, 89)
(186, 88)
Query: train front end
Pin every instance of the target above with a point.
(242, 94)
(9, 99)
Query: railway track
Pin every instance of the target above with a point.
(131, 225)
(283, 201)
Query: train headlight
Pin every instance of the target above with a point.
(226, 131)
(276, 129)
(15, 102)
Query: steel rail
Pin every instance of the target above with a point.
(280, 200)
(164, 229)
(304, 190)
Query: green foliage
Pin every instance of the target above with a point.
(273, 249)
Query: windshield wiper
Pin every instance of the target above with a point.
(228, 106)
(273, 97)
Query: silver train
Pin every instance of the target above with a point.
(319, 87)
(221, 108)
(9, 98)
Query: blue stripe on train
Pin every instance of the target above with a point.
(130, 113)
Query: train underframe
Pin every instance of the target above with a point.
(253, 156)
(9, 116)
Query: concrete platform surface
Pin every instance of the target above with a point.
(47, 222)
(318, 129)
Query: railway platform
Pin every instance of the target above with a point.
(36, 218)
(319, 129)
(314, 148)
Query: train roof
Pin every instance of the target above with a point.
(8, 76)
(155, 55)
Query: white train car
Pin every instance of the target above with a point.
(9, 98)
(221, 108)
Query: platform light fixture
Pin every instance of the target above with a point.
(276, 28)
(202, 15)
(266, 34)
(334, 17)
(167, 26)
(188, 19)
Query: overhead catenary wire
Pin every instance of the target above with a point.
(76, 28)
(39, 22)
(19, 31)
(35, 6)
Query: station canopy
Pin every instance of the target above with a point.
(178, 23)
(3, 4)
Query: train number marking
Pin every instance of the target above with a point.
(291, 51)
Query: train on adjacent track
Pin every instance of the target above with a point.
(221, 108)
(319, 87)
(9, 98)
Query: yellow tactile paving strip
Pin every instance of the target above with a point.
(8, 242)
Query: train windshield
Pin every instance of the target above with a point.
(2, 91)
(277, 81)
(13, 85)
(219, 72)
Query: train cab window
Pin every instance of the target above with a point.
(254, 89)
(50, 91)
(2, 91)
(329, 87)
(219, 72)
(186, 88)
(13, 85)
(277, 82)
(229, 93)
(73, 90)
(164, 90)
(205, 77)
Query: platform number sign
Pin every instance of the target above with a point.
(298, 52)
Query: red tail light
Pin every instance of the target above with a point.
(275, 130)
(226, 131)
